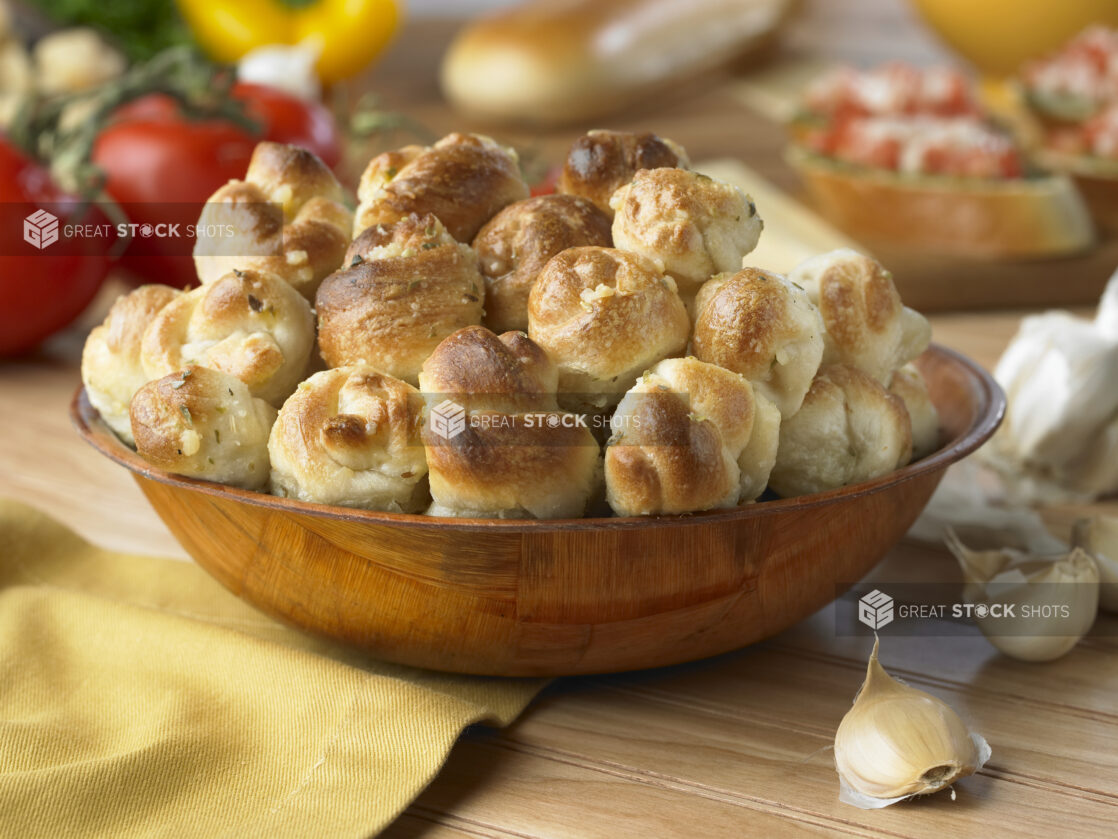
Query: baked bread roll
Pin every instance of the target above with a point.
(760, 325)
(289, 219)
(689, 436)
(497, 447)
(111, 368)
(909, 385)
(205, 424)
(849, 429)
(695, 225)
(250, 324)
(516, 243)
(601, 162)
(867, 325)
(351, 436)
(462, 180)
(550, 63)
(405, 286)
(605, 316)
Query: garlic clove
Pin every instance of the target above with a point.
(897, 742)
(1054, 599)
(1106, 318)
(1099, 537)
(1059, 440)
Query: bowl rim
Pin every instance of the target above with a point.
(96, 433)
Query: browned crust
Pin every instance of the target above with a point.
(740, 320)
(275, 165)
(310, 422)
(130, 315)
(473, 365)
(601, 161)
(460, 180)
(854, 296)
(516, 461)
(672, 461)
(163, 409)
(516, 243)
(251, 300)
(401, 306)
(645, 314)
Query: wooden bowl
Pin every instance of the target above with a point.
(532, 598)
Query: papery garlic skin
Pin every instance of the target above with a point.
(1099, 537)
(1060, 433)
(1030, 583)
(897, 741)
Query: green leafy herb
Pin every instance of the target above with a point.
(139, 28)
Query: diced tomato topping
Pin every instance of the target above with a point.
(890, 90)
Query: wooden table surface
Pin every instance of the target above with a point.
(733, 746)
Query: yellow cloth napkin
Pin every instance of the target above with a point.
(139, 698)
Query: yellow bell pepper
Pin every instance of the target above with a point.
(351, 33)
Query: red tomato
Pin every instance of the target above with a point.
(161, 171)
(41, 291)
(283, 118)
(161, 168)
(288, 119)
(549, 183)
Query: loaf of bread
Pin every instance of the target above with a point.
(760, 325)
(404, 288)
(288, 218)
(515, 244)
(111, 368)
(462, 180)
(204, 424)
(351, 436)
(548, 63)
(605, 316)
(497, 445)
(250, 324)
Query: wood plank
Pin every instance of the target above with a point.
(1052, 739)
(491, 784)
(779, 768)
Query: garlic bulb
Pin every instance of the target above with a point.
(1099, 537)
(1032, 608)
(898, 741)
(289, 68)
(1060, 435)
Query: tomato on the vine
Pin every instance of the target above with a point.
(41, 290)
(161, 167)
